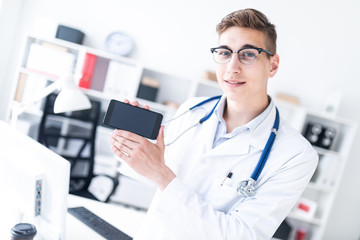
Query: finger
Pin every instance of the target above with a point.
(147, 107)
(119, 150)
(160, 138)
(119, 140)
(121, 146)
(120, 154)
(127, 135)
(135, 103)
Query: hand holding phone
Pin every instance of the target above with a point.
(134, 119)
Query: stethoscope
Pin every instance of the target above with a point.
(245, 188)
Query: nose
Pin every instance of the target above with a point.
(234, 65)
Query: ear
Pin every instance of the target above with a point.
(274, 64)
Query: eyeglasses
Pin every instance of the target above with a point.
(247, 55)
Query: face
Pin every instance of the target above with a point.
(245, 83)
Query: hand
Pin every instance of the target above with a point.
(145, 157)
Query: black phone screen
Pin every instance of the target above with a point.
(124, 116)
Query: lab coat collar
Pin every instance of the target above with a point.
(261, 133)
(241, 143)
(238, 145)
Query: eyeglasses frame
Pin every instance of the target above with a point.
(260, 50)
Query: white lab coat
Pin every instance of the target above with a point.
(195, 205)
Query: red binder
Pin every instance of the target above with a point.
(87, 70)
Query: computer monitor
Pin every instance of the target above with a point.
(34, 185)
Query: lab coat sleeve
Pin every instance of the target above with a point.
(252, 218)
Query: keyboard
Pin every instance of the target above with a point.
(97, 224)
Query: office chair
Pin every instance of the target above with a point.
(72, 135)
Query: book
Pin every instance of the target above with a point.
(33, 85)
(20, 87)
(49, 60)
(100, 72)
(122, 80)
(87, 70)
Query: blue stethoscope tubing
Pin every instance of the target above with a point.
(207, 116)
(245, 188)
(265, 154)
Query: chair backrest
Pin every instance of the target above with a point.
(72, 135)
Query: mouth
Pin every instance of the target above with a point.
(234, 82)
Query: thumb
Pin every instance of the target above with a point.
(160, 138)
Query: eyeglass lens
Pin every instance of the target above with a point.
(246, 56)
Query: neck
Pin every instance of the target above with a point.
(238, 113)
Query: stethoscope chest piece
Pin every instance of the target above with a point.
(246, 188)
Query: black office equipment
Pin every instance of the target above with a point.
(98, 224)
(69, 34)
(320, 135)
(148, 89)
(147, 92)
(78, 144)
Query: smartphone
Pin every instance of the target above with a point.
(137, 120)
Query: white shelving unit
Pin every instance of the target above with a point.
(33, 74)
(174, 89)
(332, 160)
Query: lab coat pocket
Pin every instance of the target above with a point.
(223, 194)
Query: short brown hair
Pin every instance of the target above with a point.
(254, 19)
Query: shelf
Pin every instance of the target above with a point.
(48, 77)
(316, 187)
(314, 221)
(323, 151)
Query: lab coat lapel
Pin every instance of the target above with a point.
(241, 143)
(261, 133)
(208, 130)
(237, 146)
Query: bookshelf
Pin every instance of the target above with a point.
(102, 76)
(323, 187)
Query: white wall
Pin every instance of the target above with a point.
(9, 30)
(318, 43)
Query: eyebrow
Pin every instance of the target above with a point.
(244, 46)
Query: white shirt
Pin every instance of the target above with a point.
(195, 205)
(221, 135)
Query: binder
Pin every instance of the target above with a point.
(49, 60)
(122, 80)
(99, 74)
(87, 70)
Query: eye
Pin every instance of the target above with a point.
(248, 54)
(223, 52)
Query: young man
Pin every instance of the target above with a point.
(200, 174)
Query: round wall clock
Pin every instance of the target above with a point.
(119, 43)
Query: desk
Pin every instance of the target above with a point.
(126, 219)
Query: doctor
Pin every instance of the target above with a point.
(198, 175)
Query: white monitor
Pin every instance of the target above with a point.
(34, 182)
